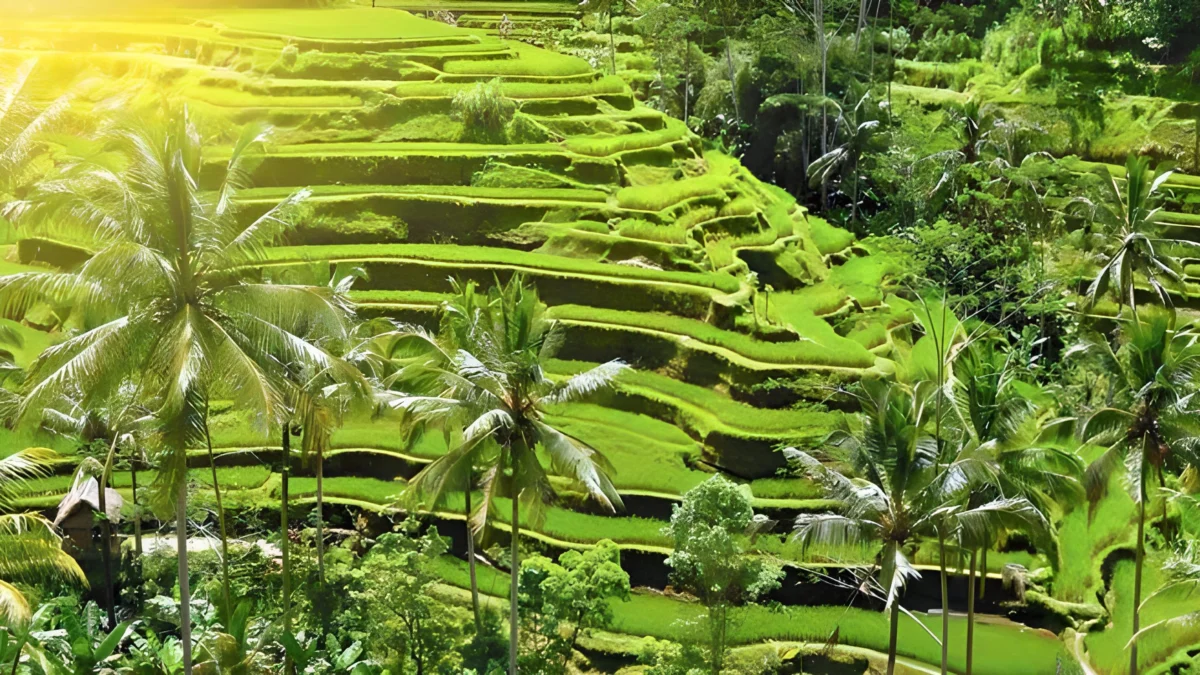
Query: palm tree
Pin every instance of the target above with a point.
(1156, 368)
(906, 490)
(30, 549)
(169, 301)
(22, 123)
(995, 413)
(483, 374)
(1134, 236)
(842, 161)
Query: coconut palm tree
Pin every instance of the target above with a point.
(22, 123)
(842, 161)
(30, 549)
(995, 413)
(904, 489)
(169, 300)
(1133, 236)
(484, 375)
(1156, 367)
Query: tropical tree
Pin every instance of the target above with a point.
(30, 549)
(910, 486)
(1155, 368)
(896, 454)
(22, 123)
(843, 160)
(485, 376)
(996, 413)
(708, 557)
(169, 300)
(1133, 237)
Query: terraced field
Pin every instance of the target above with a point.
(645, 243)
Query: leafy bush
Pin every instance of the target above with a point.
(484, 111)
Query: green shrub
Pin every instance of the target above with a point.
(484, 111)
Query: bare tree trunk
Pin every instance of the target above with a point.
(863, 6)
(137, 527)
(823, 47)
(687, 78)
(106, 553)
(874, 35)
(471, 562)
(1139, 555)
(212, 463)
(288, 666)
(971, 614)
(185, 591)
(893, 631)
(321, 519)
(732, 75)
(515, 571)
(612, 43)
(945, 601)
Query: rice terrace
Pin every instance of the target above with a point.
(660, 337)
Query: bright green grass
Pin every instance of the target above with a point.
(1106, 648)
(706, 411)
(1086, 538)
(373, 490)
(480, 255)
(467, 192)
(999, 649)
(530, 61)
(647, 454)
(357, 23)
(659, 197)
(828, 238)
(823, 347)
(608, 145)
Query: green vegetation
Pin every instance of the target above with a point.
(668, 319)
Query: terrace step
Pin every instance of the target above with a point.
(561, 280)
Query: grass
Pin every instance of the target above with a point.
(823, 347)
(706, 412)
(479, 255)
(1000, 649)
(336, 24)
(1106, 649)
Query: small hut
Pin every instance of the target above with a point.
(77, 512)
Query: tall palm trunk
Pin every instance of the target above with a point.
(110, 604)
(284, 542)
(185, 590)
(321, 519)
(1139, 555)
(515, 569)
(212, 463)
(687, 81)
(945, 601)
(106, 538)
(983, 568)
(893, 631)
(732, 76)
(137, 527)
(471, 561)
(612, 43)
(971, 614)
